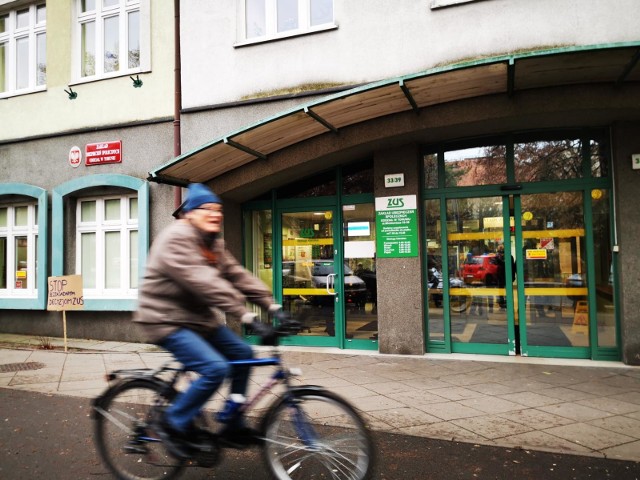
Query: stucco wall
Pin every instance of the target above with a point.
(99, 103)
(378, 39)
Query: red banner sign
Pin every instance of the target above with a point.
(101, 153)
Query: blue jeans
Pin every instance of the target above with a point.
(207, 355)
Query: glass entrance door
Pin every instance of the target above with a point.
(329, 275)
(480, 302)
(360, 286)
(311, 272)
(517, 287)
(552, 281)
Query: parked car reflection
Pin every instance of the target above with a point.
(315, 274)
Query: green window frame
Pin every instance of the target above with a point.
(40, 196)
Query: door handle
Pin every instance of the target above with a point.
(331, 282)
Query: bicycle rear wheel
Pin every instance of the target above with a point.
(125, 435)
(312, 434)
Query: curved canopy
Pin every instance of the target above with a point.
(612, 63)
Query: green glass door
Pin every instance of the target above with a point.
(311, 273)
(360, 306)
(521, 287)
(552, 278)
(478, 299)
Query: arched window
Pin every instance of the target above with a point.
(101, 231)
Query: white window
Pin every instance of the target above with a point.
(23, 50)
(267, 19)
(18, 247)
(111, 38)
(107, 246)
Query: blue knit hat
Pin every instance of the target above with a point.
(197, 195)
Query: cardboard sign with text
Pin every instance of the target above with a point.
(65, 293)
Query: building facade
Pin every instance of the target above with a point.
(415, 176)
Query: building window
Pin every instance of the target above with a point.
(268, 19)
(107, 246)
(23, 50)
(18, 250)
(111, 37)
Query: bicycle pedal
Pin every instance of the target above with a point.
(139, 449)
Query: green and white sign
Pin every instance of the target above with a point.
(396, 226)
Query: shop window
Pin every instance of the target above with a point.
(269, 19)
(548, 160)
(23, 50)
(467, 167)
(357, 179)
(107, 235)
(598, 157)
(430, 169)
(259, 244)
(603, 268)
(111, 38)
(320, 185)
(23, 250)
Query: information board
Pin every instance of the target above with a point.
(396, 226)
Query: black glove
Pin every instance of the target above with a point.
(285, 325)
(267, 334)
(281, 317)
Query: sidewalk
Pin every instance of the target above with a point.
(563, 406)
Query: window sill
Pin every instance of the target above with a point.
(435, 4)
(284, 36)
(19, 93)
(98, 78)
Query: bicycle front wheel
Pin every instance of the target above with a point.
(312, 434)
(125, 435)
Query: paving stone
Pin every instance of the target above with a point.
(535, 418)
(537, 440)
(627, 451)
(492, 426)
(490, 404)
(590, 436)
(449, 410)
(530, 399)
(573, 411)
(404, 417)
(610, 405)
(619, 424)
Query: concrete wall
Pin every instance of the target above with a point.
(626, 141)
(378, 39)
(400, 309)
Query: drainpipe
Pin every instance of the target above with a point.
(177, 101)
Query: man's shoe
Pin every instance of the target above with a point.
(176, 441)
(239, 437)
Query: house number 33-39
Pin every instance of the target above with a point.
(394, 180)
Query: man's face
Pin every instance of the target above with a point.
(206, 218)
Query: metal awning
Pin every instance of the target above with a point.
(612, 63)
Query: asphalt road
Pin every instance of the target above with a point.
(50, 436)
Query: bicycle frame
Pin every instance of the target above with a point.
(281, 375)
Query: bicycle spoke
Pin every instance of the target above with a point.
(316, 435)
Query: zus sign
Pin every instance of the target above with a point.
(396, 226)
(400, 202)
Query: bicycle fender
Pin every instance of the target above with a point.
(308, 388)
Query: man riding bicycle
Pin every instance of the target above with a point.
(190, 278)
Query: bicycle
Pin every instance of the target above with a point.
(306, 433)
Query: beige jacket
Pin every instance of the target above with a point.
(182, 288)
